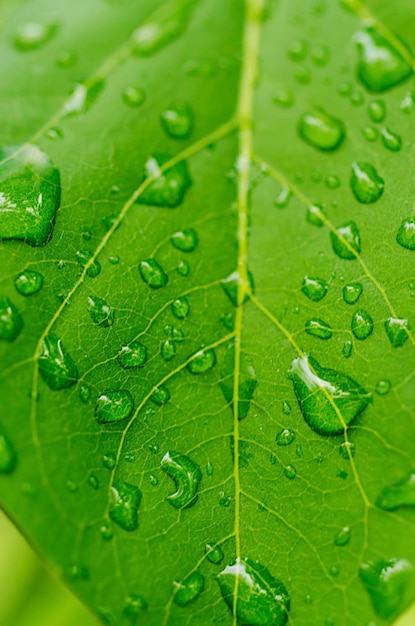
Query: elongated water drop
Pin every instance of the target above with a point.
(188, 589)
(247, 381)
(321, 130)
(314, 288)
(180, 307)
(329, 400)
(399, 494)
(318, 328)
(352, 292)
(345, 241)
(125, 500)
(366, 184)
(186, 475)
(11, 322)
(392, 141)
(202, 361)
(28, 282)
(152, 273)
(177, 121)
(262, 600)
(377, 110)
(386, 582)
(168, 349)
(132, 355)
(113, 406)
(100, 311)
(56, 366)
(381, 65)
(362, 324)
(406, 234)
(30, 193)
(397, 330)
(342, 538)
(167, 188)
(153, 36)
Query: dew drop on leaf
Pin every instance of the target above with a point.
(82, 98)
(214, 553)
(377, 110)
(283, 98)
(297, 50)
(33, 35)
(314, 288)
(167, 188)
(399, 494)
(134, 96)
(386, 582)
(392, 141)
(134, 605)
(347, 450)
(262, 599)
(132, 355)
(106, 532)
(285, 437)
(370, 133)
(332, 181)
(113, 406)
(56, 366)
(183, 268)
(406, 234)
(85, 259)
(321, 130)
(342, 538)
(397, 331)
(230, 286)
(11, 322)
(109, 460)
(346, 241)
(316, 215)
(352, 292)
(347, 349)
(152, 273)
(202, 361)
(84, 393)
(382, 387)
(362, 324)
(283, 198)
(185, 240)
(153, 36)
(168, 349)
(188, 589)
(366, 184)
(177, 121)
(125, 500)
(186, 475)
(290, 472)
(318, 328)
(180, 307)
(160, 395)
(286, 408)
(28, 282)
(93, 482)
(329, 400)
(247, 381)
(100, 311)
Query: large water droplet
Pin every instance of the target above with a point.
(33, 35)
(362, 324)
(406, 234)
(100, 311)
(318, 328)
(186, 475)
(11, 322)
(314, 288)
(152, 273)
(400, 494)
(29, 282)
(230, 286)
(30, 193)
(167, 188)
(381, 65)
(262, 600)
(365, 182)
(188, 589)
(321, 130)
(397, 330)
(132, 355)
(202, 361)
(177, 121)
(346, 241)
(247, 381)
(8, 458)
(55, 365)
(329, 400)
(352, 292)
(386, 583)
(114, 406)
(125, 500)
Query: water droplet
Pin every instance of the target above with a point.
(352, 292)
(56, 367)
(343, 537)
(29, 282)
(214, 554)
(55, 134)
(189, 589)
(370, 133)
(397, 330)
(362, 324)
(85, 258)
(71, 486)
(75, 571)
(185, 240)
(382, 387)
(65, 59)
(183, 268)
(314, 288)
(177, 121)
(180, 307)
(100, 311)
(346, 240)
(377, 110)
(400, 494)
(125, 500)
(406, 234)
(297, 49)
(321, 130)
(153, 274)
(230, 286)
(357, 98)
(387, 582)
(114, 259)
(285, 437)
(186, 475)
(224, 499)
(286, 408)
(8, 458)
(247, 381)
(134, 605)
(283, 98)
(132, 355)
(261, 600)
(380, 64)
(334, 571)
(83, 97)
(318, 328)
(316, 215)
(113, 406)
(30, 194)
(153, 36)
(329, 400)
(366, 184)
(134, 96)
(33, 35)
(390, 140)
(347, 349)
(160, 395)
(168, 350)
(320, 55)
(332, 181)
(408, 102)
(109, 460)
(106, 532)
(302, 75)
(347, 450)
(93, 482)
(202, 361)
(290, 472)
(168, 188)
(11, 322)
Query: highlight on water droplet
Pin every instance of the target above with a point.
(160, 395)
(28, 282)
(386, 582)
(186, 475)
(377, 110)
(383, 387)
(133, 354)
(406, 233)
(285, 437)
(362, 324)
(347, 450)
(185, 240)
(399, 494)
(345, 241)
(230, 286)
(188, 589)
(86, 259)
(397, 330)
(56, 366)
(314, 288)
(247, 380)
(177, 120)
(262, 599)
(366, 184)
(329, 400)
(33, 35)
(83, 97)
(202, 361)
(321, 130)
(11, 322)
(318, 328)
(180, 307)
(155, 35)
(167, 187)
(100, 311)
(113, 406)
(352, 292)
(392, 141)
(152, 273)
(168, 349)
(125, 500)
(214, 553)
(342, 538)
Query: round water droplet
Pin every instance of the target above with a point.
(290, 472)
(314, 288)
(177, 121)
(86, 259)
(285, 437)
(345, 89)
(189, 589)
(399, 494)
(8, 458)
(185, 240)
(342, 538)
(347, 450)
(160, 395)
(202, 361)
(186, 475)
(114, 406)
(386, 583)
(302, 75)
(382, 387)
(168, 187)
(297, 49)
(352, 292)
(125, 500)
(366, 184)
(332, 182)
(320, 55)
(214, 554)
(357, 98)
(11, 322)
(397, 330)
(134, 96)
(283, 98)
(153, 274)
(134, 605)
(370, 133)
(345, 240)
(56, 366)
(106, 532)
(132, 355)
(377, 110)
(334, 571)
(29, 282)
(406, 234)
(390, 140)
(362, 324)
(33, 35)
(100, 311)
(168, 350)
(318, 328)
(180, 307)
(65, 59)
(321, 130)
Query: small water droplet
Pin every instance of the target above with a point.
(290, 472)
(189, 589)
(177, 121)
(134, 96)
(286, 408)
(29, 282)
(8, 458)
(406, 234)
(347, 450)
(134, 605)
(386, 582)
(224, 499)
(316, 214)
(83, 97)
(346, 240)
(357, 98)
(408, 102)
(113, 406)
(370, 133)
(183, 268)
(185, 240)
(55, 134)
(209, 468)
(154, 481)
(33, 35)
(285, 437)
(106, 532)
(11, 322)
(214, 553)
(320, 55)
(314, 288)
(180, 307)
(56, 366)
(347, 349)
(399, 494)
(100, 311)
(345, 89)
(318, 328)
(186, 475)
(75, 571)
(334, 571)
(297, 49)
(230, 286)
(302, 75)
(283, 98)
(160, 395)
(380, 64)
(377, 110)
(153, 274)
(362, 324)
(93, 482)
(168, 188)
(202, 361)
(382, 387)
(321, 130)
(85, 258)
(66, 58)
(109, 460)
(332, 181)
(261, 600)
(125, 500)
(329, 400)
(366, 184)
(247, 381)
(397, 330)
(132, 355)
(352, 292)
(168, 349)
(153, 36)
(391, 140)
(342, 538)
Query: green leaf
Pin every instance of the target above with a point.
(206, 306)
